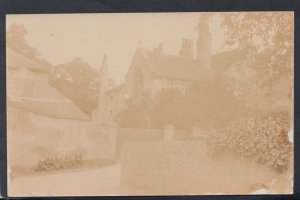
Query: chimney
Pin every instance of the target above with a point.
(186, 50)
(204, 41)
(158, 49)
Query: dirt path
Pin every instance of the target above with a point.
(101, 181)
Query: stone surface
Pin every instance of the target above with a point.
(186, 168)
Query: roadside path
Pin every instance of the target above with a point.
(100, 181)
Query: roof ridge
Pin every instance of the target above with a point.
(35, 65)
(168, 55)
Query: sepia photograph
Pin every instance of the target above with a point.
(138, 104)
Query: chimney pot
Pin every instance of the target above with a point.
(186, 48)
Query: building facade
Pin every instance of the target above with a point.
(153, 71)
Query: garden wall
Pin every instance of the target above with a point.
(129, 135)
(184, 167)
(31, 137)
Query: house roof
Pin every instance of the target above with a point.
(46, 100)
(51, 108)
(177, 67)
(15, 60)
(171, 66)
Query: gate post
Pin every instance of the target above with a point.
(168, 132)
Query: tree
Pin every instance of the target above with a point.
(136, 113)
(211, 104)
(262, 79)
(206, 103)
(169, 107)
(269, 40)
(265, 31)
(77, 81)
(15, 39)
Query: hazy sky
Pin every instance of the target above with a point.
(61, 37)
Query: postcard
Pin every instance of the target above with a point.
(127, 104)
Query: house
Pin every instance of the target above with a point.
(151, 72)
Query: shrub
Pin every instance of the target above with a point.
(263, 139)
(60, 160)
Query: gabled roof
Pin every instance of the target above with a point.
(15, 60)
(177, 67)
(51, 108)
(47, 100)
(170, 66)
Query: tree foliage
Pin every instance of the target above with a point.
(16, 39)
(136, 113)
(269, 40)
(167, 107)
(206, 104)
(265, 31)
(77, 81)
(211, 103)
(262, 79)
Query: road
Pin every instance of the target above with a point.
(100, 181)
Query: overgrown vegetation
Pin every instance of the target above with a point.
(206, 104)
(60, 160)
(263, 139)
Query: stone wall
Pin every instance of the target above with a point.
(163, 167)
(31, 137)
(129, 135)
(185, 167)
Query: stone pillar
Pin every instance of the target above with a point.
(112, 137)
(168, 132)
(102, 141)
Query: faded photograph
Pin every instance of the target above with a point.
(150, 103)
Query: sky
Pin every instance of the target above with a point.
(61, 37)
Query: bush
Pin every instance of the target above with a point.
(60, 160)
(263, 139)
